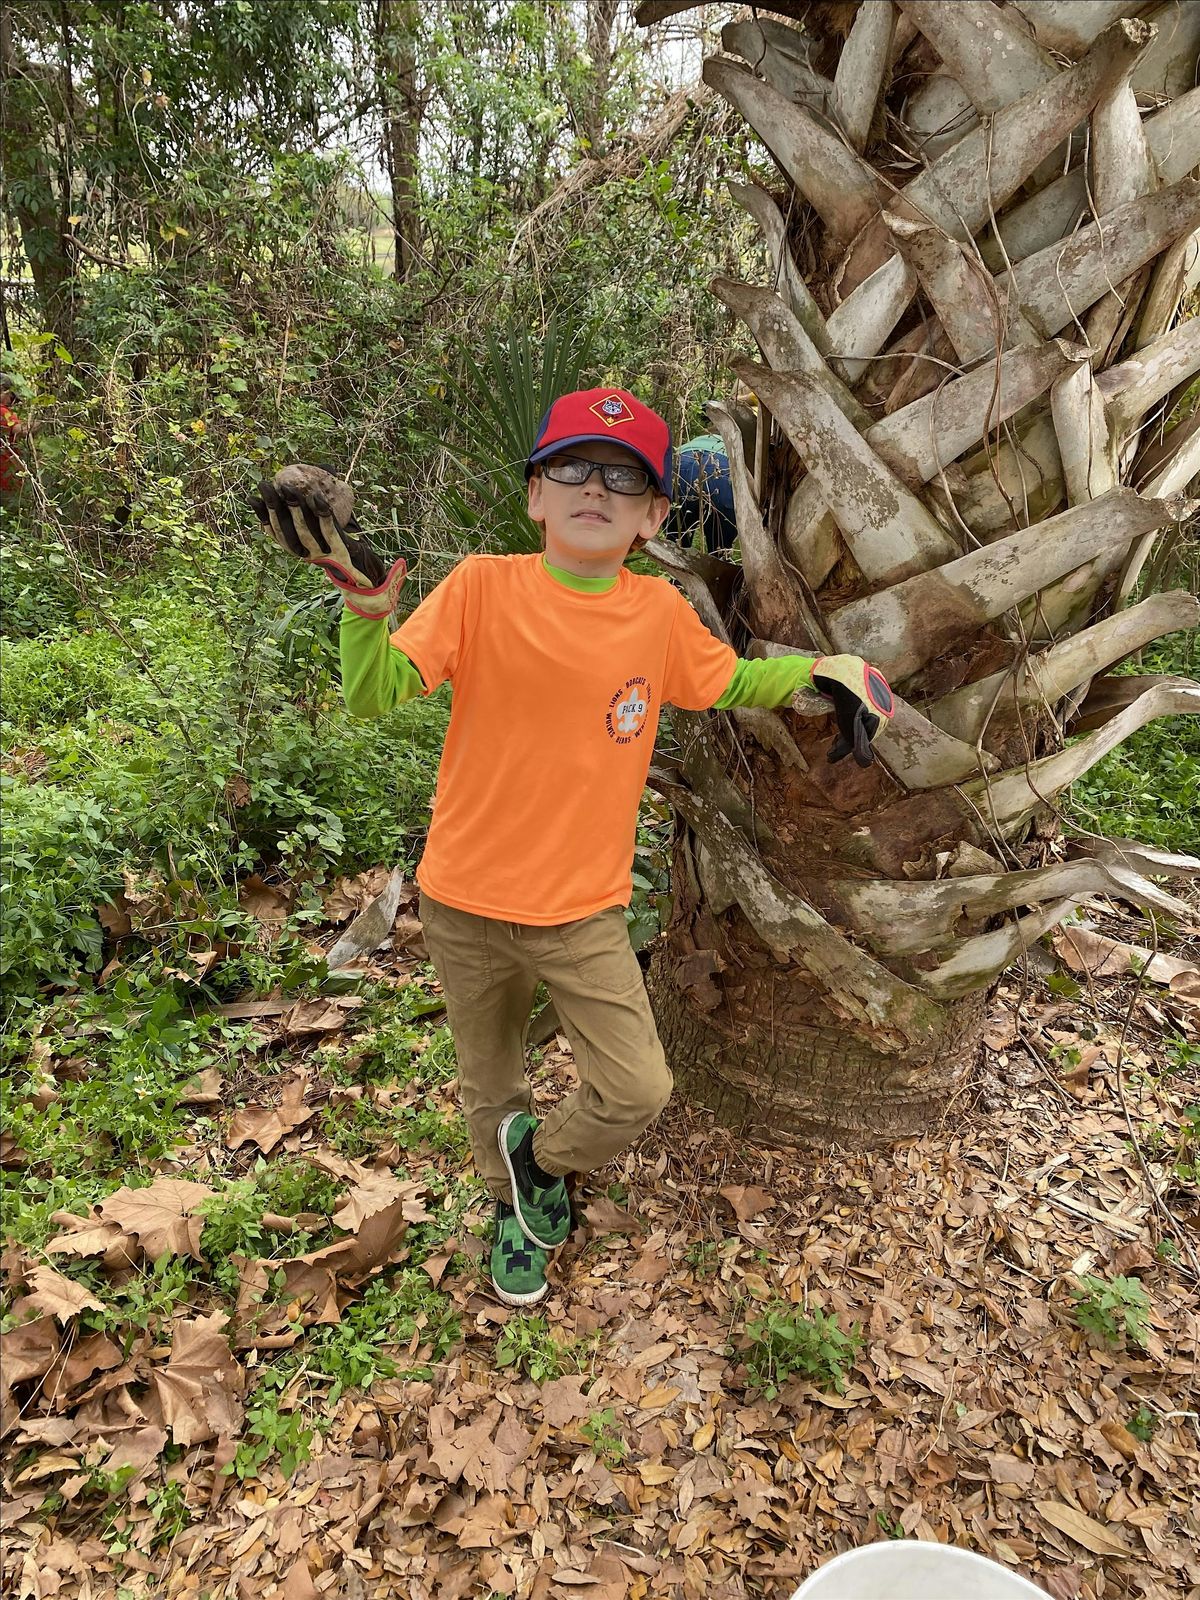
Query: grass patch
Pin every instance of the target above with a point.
(397, 1310)
(1149, 787)
(98, 1100)
(357, 1128)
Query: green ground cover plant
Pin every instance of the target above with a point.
(1178, 1147)
(117, 1064)
(785, 1340)
(145, 1043)
(527, 1344)
(601, 1432)
(1113, 1310)
(1149, 788)
(364, 1345)
(180, 748)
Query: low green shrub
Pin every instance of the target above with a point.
(786, 1340)
(397, 1044)
(526, 1344)
(364, 1346)
(167, 1504)
(275, 1429)
(196, 744)
(61, 860)
(146, 1299)
(359, 1351)
(451, 1202)
(234, 1226)
(292, 1185)
(55, 680)
(1114, 1310)
(1176, 1147)
(1143, 1424)
(601, 1432)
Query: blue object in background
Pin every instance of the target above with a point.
(703, 495)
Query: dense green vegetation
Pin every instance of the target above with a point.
(162, 738)
(1149, 788)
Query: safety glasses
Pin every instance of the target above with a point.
(617, 477)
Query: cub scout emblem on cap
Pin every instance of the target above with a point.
(628, 711)
(611, 410)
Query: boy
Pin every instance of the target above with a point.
(560, 663)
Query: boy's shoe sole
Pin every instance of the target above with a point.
(510, 1299)
(518, 1267)
(546, 1222)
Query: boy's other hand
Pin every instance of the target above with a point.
(862, 703)
(310, 515)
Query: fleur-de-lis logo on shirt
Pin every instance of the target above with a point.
(631, 714)
(629, 711)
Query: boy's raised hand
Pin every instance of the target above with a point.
(862, 703)
(310, 515)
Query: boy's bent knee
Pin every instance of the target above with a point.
(640, 1101)
(660, 1088)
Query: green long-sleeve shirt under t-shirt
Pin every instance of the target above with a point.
(377, 676)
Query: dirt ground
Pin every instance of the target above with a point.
(978, 1411)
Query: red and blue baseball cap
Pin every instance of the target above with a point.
(611, 414)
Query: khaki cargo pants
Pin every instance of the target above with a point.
(489, 972)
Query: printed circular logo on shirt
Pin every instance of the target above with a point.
(628, 711)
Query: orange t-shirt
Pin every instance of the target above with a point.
(555, 708)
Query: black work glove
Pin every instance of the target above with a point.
(310, 515)
(862, 703)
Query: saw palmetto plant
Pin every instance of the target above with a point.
(974, 329)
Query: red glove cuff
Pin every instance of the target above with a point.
(875, 690)
(388, 589)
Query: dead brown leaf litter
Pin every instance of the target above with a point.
(646, 1464)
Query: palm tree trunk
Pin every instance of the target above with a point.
(1003, 220)
(772, 1061)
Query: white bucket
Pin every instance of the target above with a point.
(910, 1569)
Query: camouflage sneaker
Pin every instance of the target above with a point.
(544, 1214)
(518, 1267)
